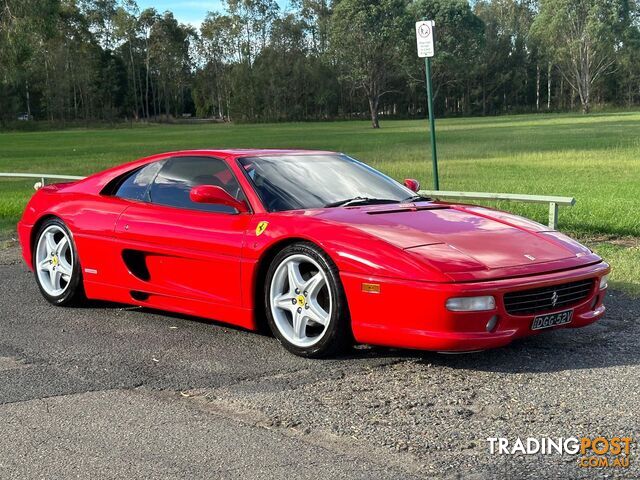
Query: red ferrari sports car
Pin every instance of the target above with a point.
(319, 246)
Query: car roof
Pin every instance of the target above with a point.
(99, 180)
(251, 152)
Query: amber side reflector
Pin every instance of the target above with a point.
(371, 287)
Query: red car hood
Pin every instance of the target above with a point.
(467, 242)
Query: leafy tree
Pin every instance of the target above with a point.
(459, 37)
(508, 59)
(101, 15)
(368, 38)
(216, 49)
(316, 14)
(169, 44)
(582, 37)
(146, 21)
(24, 26)
(127, 32)
(629, 62)
(86, 60)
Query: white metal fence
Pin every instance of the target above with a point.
(553, 201)
(42, 176)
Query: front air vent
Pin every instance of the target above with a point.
(555, 297)
(407, 208)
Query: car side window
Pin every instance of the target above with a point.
(173, 184)
(135, 186)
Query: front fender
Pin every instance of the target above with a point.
(351, 249)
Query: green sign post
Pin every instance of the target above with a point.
(426, 50)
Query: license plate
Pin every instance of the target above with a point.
(552, 320)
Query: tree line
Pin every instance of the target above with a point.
(88, 60)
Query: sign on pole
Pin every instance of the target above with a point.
(424, 37)
(426, 49)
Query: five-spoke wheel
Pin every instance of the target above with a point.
(305, 301)
(300, 300)
(55, 263)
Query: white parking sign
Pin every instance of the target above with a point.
(424, 37)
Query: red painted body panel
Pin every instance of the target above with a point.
(412, 314)
(193, 254)
(206, 264)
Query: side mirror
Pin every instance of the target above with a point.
(216, 196)
(412, 184)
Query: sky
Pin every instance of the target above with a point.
(188, 11)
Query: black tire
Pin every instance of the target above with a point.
(337, 337)
(73, 294)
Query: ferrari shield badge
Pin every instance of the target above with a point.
(262, 226)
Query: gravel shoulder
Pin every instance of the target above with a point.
(110, 391)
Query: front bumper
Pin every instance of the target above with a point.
(412, 314)
(24, 237)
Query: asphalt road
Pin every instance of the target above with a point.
(109, 392)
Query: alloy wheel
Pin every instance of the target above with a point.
(300, 300)
(54, 260)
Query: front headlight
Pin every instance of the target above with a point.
(471, 304)
(604, 282)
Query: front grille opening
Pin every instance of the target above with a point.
(544, 299)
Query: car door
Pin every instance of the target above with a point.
(175, 248)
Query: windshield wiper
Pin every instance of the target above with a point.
(416, 198)
(360, 201)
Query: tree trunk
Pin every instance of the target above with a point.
(484, 97)
(75, 98)
(133, 78)
(28, 100)
(373, 108)
(147, 63)
(549, 86)
(48, 89)
(537, 87)
(586, 97)
(583, 81)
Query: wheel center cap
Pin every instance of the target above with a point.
(301, 300)
(55, 261)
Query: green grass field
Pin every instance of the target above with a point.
(594, 158)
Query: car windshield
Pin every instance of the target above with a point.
(291, 182)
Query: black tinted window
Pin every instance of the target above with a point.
(136, 185)
(178, 176)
